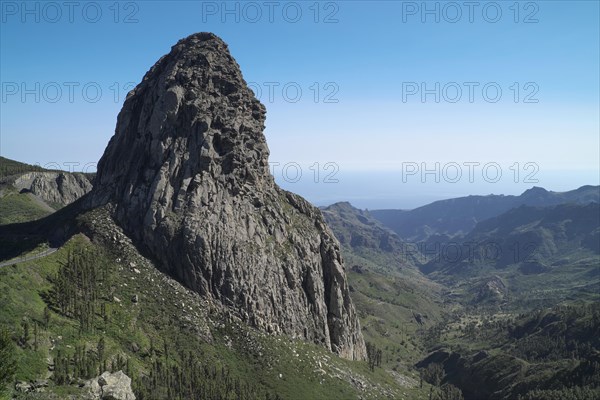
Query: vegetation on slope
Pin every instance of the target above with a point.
(479, 329)
(395, 302)
(543, 354)
(98, 305)
(18, 207)
(10, 167)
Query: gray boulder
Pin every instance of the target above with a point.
(109, 386)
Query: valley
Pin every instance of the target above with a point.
(512, 325)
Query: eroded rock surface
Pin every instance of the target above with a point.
(188, 173)
(55, 188)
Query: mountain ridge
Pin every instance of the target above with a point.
(457, 216)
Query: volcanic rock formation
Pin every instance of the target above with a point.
(187, 172)
(56, 188)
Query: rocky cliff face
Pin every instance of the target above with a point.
(187, 171)
(55, 188)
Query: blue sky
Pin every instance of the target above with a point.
(360, 67)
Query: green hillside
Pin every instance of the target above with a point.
(544, 354)
(98, 305)
(487, 332)
(20, 207)
(10, 167)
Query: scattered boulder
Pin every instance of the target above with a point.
(480, 356)
(358, 269)
(135, 347)
(37, 385)
(40, 383)
(109, 386)
(23, 387)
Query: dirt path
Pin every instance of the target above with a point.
(28, 258)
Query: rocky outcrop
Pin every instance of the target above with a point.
(187, 172)
(492, 290)
(109, 386)
(38, 385)
(358, 230)
(55, 188)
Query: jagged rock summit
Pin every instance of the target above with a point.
(187, 173)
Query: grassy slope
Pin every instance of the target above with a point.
(19, 207)
(387, 294)
(168, 312)
(387, 288)
(387, 304)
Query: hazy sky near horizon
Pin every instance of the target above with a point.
(355, 90)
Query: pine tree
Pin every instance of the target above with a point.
(46, 318)
(35, 336)
(100, 348)
(450, 392)
(26, 335)
(8, 363)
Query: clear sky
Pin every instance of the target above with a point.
(366, 93)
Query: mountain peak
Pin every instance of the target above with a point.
(193, 112)
(535, 191)
(187, 172)
(341, 205)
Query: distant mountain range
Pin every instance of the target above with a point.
(538, 248)
(460, 215)
(535, 239)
